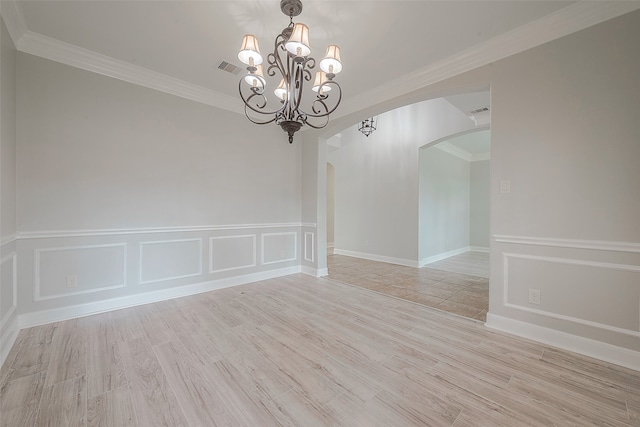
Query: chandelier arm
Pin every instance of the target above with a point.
(252, 120)
(256, 92)
(310, 124)
(321, 99)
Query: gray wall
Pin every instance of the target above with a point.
(143, 195)
(479, 203)
(377, 180)
(8, 258)
(444, 203)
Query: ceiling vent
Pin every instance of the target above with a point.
(229, 67)
(480, 110)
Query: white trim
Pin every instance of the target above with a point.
(601, 245)
(315, 272)
(458, 152)
(375, 257)
(254, 252)
(14, 287)
(9, 239)
(65, 313)
(312, 258)
(592, 348)
(483, 249)
(54, 234)
(479, 157)
(13, 19)
(160, 242)
(309, 224)
(295, 247)
(444, 255)
(36, 271)
(8, 339)
(75, 56)
(576, 17)
(604, 265)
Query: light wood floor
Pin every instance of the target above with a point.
(449, 291)
(300, 351)
(471, 263)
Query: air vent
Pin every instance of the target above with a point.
(229, 67)
(480, 110)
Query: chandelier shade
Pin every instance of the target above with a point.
(249, 52)
(291, 63)
(331, 62)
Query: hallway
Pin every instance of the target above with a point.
(461, 294)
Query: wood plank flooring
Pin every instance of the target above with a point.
(301, 351)
(449, 291)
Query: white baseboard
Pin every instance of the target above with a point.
(444, 255)
(588, 347)
(484, 249)
(65, 313)
(375, 257)
(8, 339)
(315, 272)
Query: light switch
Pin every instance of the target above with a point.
(505, 186)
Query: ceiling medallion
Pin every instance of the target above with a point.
(291, 62)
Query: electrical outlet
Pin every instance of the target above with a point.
(534, 296)
(72, 280)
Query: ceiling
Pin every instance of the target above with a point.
(176, 46)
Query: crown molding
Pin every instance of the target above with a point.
(458, 152)
(13, 19)
(65, 53)
(568, 20)
(575, 17)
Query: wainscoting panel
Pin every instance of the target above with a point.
(232, 252)
(8, 287)
(588, 292)
(95, 268)
(164, 260)
(309, 246)
(279, 247)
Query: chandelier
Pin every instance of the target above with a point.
(291, 62)
(367, 126)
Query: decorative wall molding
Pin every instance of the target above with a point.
(13, 257)
(8, 239)
(36, 271)
(375, 257)
(600, 245)
(295, 247)
(253, 253)
(315, 272)
(309, 246)
(56, 234)
(597, 349)
(595, 264)
(309, 224)
(164, 279)
(71, 312)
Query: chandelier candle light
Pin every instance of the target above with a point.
(291, 62)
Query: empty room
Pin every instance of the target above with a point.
(319, 213)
